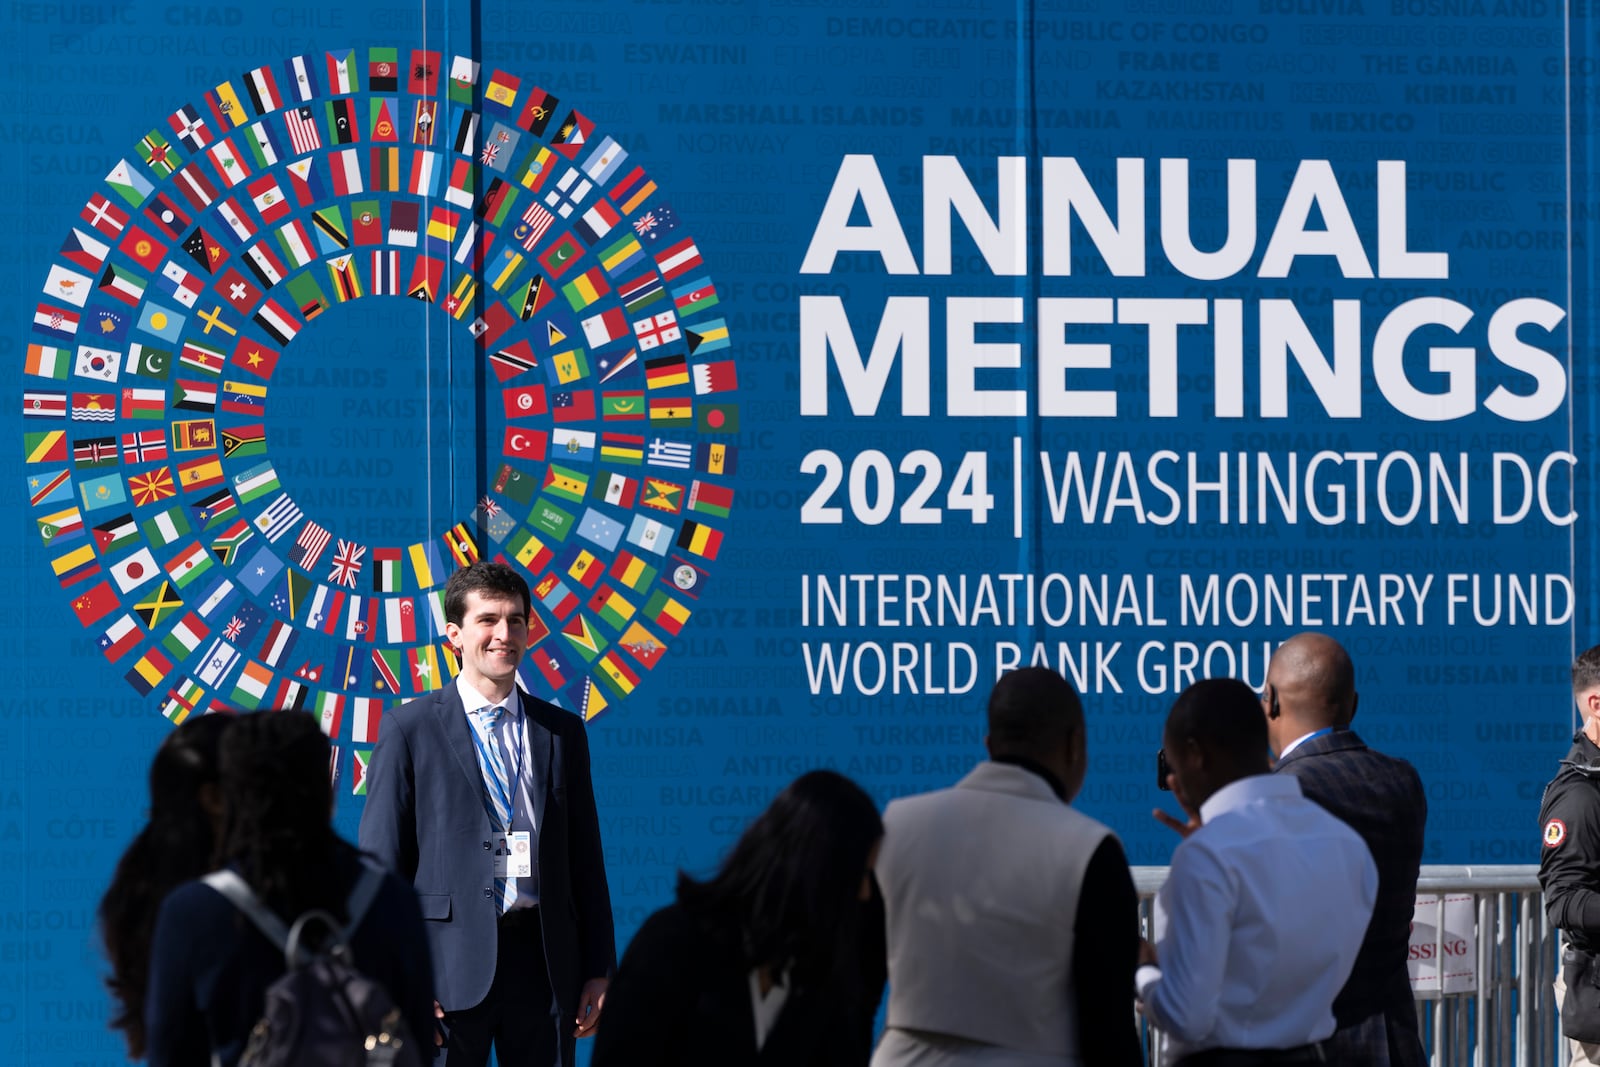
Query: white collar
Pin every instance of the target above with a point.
(1246, 791)
(1297, 742)
(474, 701)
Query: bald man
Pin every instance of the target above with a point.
(1265, 905)
(1309, 699)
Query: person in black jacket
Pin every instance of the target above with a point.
(1310, 698)
(1569, 866)
(175, 845)
(210, 967)
(776, 960)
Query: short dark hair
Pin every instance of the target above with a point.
(1222, 715)
(1586, 671)
(496, 579)
(1033, 709)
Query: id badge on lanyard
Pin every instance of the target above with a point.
(513, 854)
(514, 848)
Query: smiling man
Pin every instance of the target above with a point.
(480, 795)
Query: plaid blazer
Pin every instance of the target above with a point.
(1381, 798)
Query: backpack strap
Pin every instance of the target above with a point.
(239, 893)
(361, 896)
(241, 896)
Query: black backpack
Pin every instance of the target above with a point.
(323, 1012)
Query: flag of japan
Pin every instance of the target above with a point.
(135, 571)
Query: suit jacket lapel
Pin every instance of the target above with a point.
(457, 732)
(540, 757)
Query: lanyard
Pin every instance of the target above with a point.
(514, 729)
(508, 750)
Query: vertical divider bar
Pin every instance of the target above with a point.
(1481, 998)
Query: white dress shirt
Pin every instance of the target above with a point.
(1259, 922)
(526, 890)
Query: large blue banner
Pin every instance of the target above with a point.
(817, 362)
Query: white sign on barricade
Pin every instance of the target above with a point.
(1443, 957)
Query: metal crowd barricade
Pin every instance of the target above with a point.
(1508, 1018)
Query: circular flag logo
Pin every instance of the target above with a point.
(186, 296)
(1555, 832)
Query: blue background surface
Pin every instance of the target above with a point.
(387, 424)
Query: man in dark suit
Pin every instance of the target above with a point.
(480, 796)
(1309, 699)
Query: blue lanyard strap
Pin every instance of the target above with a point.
(483, 740)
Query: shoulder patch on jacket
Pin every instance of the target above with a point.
(1555, 832)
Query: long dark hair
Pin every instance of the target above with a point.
(277, 801)
(174, 846)
(788, 892)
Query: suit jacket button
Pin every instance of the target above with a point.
(486, 844)
(489, 893)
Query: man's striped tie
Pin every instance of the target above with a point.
(497, 789)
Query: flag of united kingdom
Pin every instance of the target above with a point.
(347, 563)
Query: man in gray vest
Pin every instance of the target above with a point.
(1012, 919)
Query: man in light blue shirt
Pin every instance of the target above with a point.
(1266, 904)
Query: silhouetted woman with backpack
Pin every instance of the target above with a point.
(210, 964)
